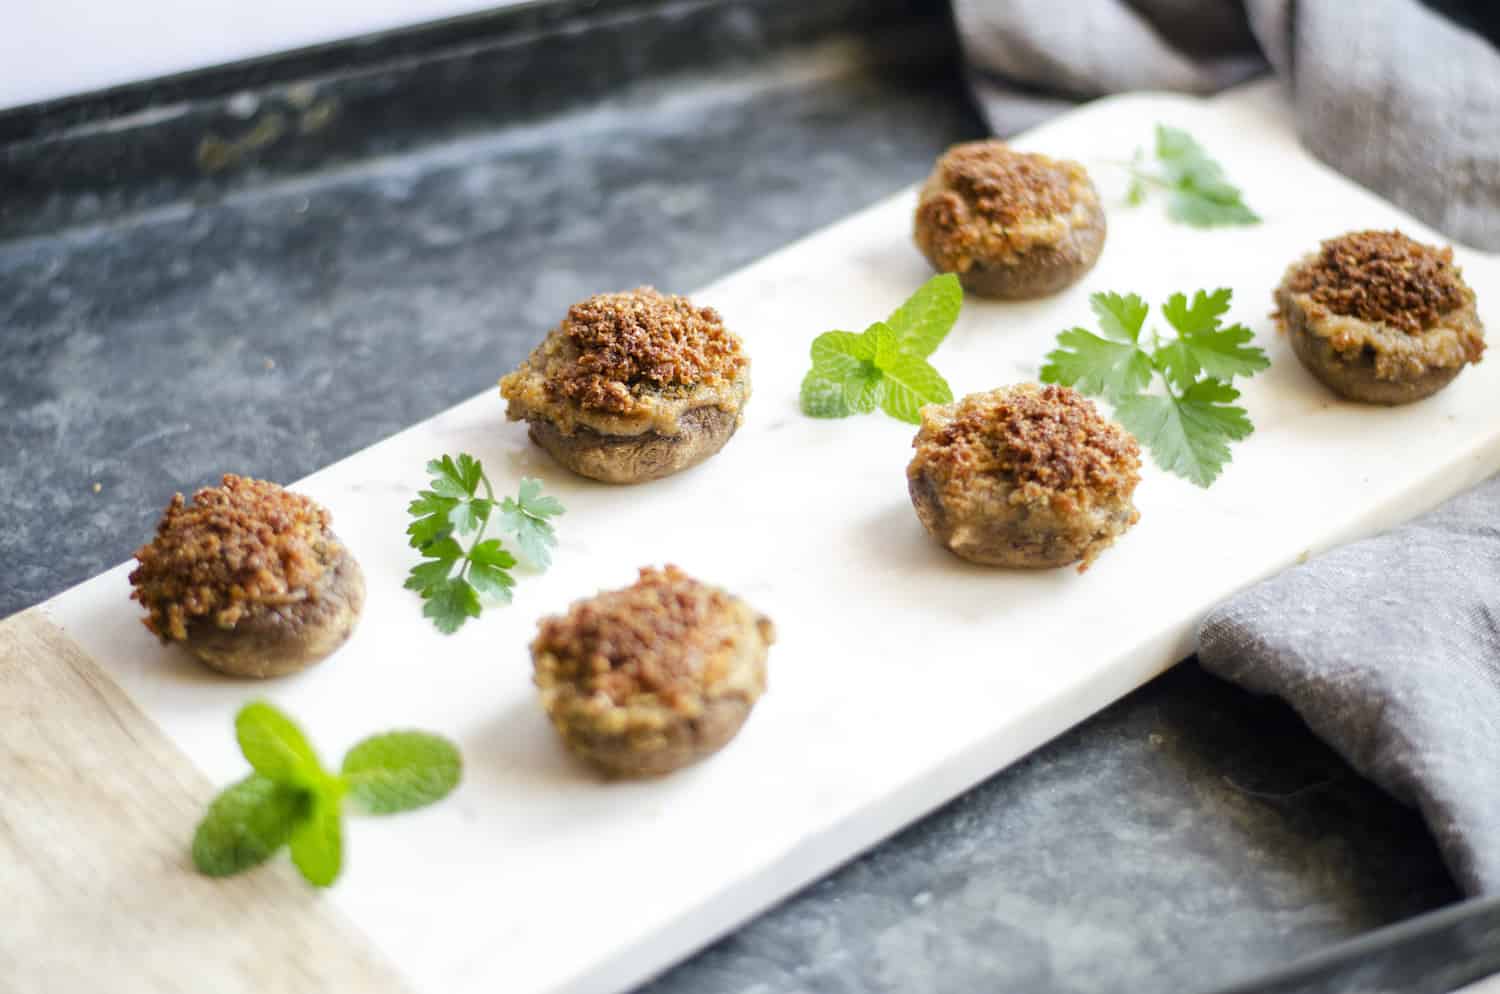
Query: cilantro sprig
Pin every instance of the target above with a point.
(886, 366)
(291, 800)
(1189, 424)
(452, 580)
(1198, 192)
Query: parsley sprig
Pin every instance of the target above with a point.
(886, 366)
(1188, 425)
(1198, 192)
(453, 580)
(291, 800)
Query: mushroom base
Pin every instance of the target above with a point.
(277, 640)
(996, 532)
(1353, 376)
(650, 455)
(1040, 270)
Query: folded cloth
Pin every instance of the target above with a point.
(1400, 95)
(1389, 649)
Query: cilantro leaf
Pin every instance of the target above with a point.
(525, 518)
(1188, 435)
(487, 566)
(449, 603)
(1189, 426)
(399, 771)
(451, 580)
(246, 824)
(1198, 192)
(1097, 366)
(276, 747)
(925, 319)
(886, 365)
(317, 842)
(1120, 318)
(1203, 346)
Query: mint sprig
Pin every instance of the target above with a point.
(452, 580)
(1198, 192)
(1189, 424)
(886, 366)
(292, 800)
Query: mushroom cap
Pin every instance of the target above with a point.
(1023, 477)
(1013, 225)
(250, 578)
(1380, 318)
(632, 386)
(644, 680)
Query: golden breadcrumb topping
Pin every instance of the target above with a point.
(1382, 276)
(1048, 442)
(614, 350)
(241, 544)
(655, 637)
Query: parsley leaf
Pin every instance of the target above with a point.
(886, 365)
(525, 517)
(292, 801)
(451, 580)
(1198, 192)
(1187, 427)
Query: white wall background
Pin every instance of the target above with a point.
(55, 48)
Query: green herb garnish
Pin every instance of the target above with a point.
(1189, 424)
(886, 366)
(1198, 193)
(292, 800)
(450, 509)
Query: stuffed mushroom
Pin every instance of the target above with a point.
(1379, 317)
(632, 386)
(250, 578)
(647, 679)
(1024, 476)
(1012, 225)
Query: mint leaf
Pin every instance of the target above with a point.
(1096, 366)
(886, 365)
(910, 384)
(317, 842)
(822, 397)
(399, 771)
(246, 824)
(928, 315)
(276, 747)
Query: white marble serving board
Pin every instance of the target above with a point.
(901, 677)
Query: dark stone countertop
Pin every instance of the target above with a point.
(1186, 837)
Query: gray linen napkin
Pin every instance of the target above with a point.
(1389, 649)
(1396, 94)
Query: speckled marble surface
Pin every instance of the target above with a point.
(1186, 837)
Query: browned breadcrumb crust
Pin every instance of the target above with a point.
(1050, 442)
(1383, 276)
(980, 185)
(653, 637)
(242, 544)
(642, 340)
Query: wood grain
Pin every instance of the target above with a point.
(96, 812)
